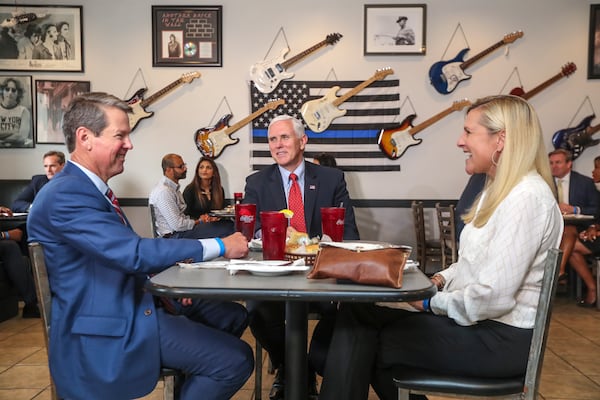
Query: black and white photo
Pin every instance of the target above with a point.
(16, 121)
(394, 29)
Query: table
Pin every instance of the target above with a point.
(13, 221)
(296, 291)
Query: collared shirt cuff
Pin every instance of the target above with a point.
(212, 248)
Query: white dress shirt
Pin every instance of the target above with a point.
(169, 205)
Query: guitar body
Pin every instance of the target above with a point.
(575, 139)
(266, 75)
(137, 114)
(319, 113)
(446, 75)
(393, 142)
(211, 141)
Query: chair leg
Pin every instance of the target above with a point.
(403, 394)
(598, 283)
(258, 372)
(169, 387)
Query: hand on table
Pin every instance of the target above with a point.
(236, 246)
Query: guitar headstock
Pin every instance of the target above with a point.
(382, 73)
(190, 76)
(511, 37)
(568, 69)
(271, 105)
(333, 38)
(460, 104)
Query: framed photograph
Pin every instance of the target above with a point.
(184, 36)
(594, 43)
(395, 29)
(16, 112)
(41, 38)
(52, 99)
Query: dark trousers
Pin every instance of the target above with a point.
(216, 363)
(206, 230)
(17, 270)
(369, 341)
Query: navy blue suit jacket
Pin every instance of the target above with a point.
(25, 198)
(323, 187)
(583, 193)
(104, 341)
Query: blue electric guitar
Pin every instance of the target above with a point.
(578, 138)
(446, 75)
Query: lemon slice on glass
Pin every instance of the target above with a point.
(287, 212)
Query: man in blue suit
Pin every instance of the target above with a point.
(108, 339)
(54, 161)
(269, 190)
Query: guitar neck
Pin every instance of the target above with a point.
(428, 122)
(354, 90)
(479, 56)
(161, 93)
(592, 129)
(288, 63)
(542, 86)
(249, 118)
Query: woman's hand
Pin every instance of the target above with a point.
(590, 234)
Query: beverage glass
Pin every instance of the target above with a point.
(238, 197)
(245, 218)
(332, 222)
(274, 227)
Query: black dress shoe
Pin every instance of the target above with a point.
(585, 304)
(31, 311)
(562, 278)
(278, 388)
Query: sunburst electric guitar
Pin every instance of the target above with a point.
(578, 138)
(566, 70)
(446, 75)
(393, 142)
(212, 141)
(319, 113)
(267, 74)
(138, 104)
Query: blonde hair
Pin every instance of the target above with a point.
(523, 151)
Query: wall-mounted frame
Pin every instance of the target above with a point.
(594, 43)
(395, 29)
(16, 116)
(49, 39)
(52, 99)
(185, 36)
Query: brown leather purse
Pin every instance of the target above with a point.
(382, 267)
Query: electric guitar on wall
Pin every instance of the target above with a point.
(138, 104)
(446, 75)
(578, 138)
(212, 141)
(566, 70)
(319, 113)
(393, 142)
(266, 75)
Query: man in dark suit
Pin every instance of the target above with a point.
(108, 338)
(54, 161)
(269, 190)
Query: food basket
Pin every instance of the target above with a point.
(309, 258)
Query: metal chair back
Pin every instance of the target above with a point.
(447, 228)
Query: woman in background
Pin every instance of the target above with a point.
(205, 192)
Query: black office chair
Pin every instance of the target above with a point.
(525, 387)
(42, 287)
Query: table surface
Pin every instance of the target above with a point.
(14, 217)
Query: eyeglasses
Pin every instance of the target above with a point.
(10, 89)
(179, 166)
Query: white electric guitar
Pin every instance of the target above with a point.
(138, 104)
(212, 141)
(319, 113)
(266, 75)
(394, 142)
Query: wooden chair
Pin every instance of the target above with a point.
(426, 249)
(446, 225)
(42, 287)
(525, 387)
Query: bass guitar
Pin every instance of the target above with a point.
(393, 142)
(212, 141)
(566, 70)
(266, 75)
(446, 75)
(319, 113)
(578, 138)
(138, 103)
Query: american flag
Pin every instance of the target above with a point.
(351, 139)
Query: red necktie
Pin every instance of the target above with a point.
(296, 205)
(115, 203)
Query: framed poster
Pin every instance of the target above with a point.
(594, 43)
(41, 38)
(52, 99)
(16, 116)
(395, 29)
(184, 36)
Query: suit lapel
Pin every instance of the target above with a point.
(276, 187)
(311, 185)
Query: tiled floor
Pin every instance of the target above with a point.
(571, 365)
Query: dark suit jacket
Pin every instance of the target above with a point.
(583, 194)
(474, 186)
(24, 200)
(323, 187)
(104, 341)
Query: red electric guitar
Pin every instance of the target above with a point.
(566, 70)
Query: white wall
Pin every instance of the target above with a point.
(117, 42)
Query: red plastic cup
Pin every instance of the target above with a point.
(245, 218)
(274, 227)
(238, 197)
(332, 222)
